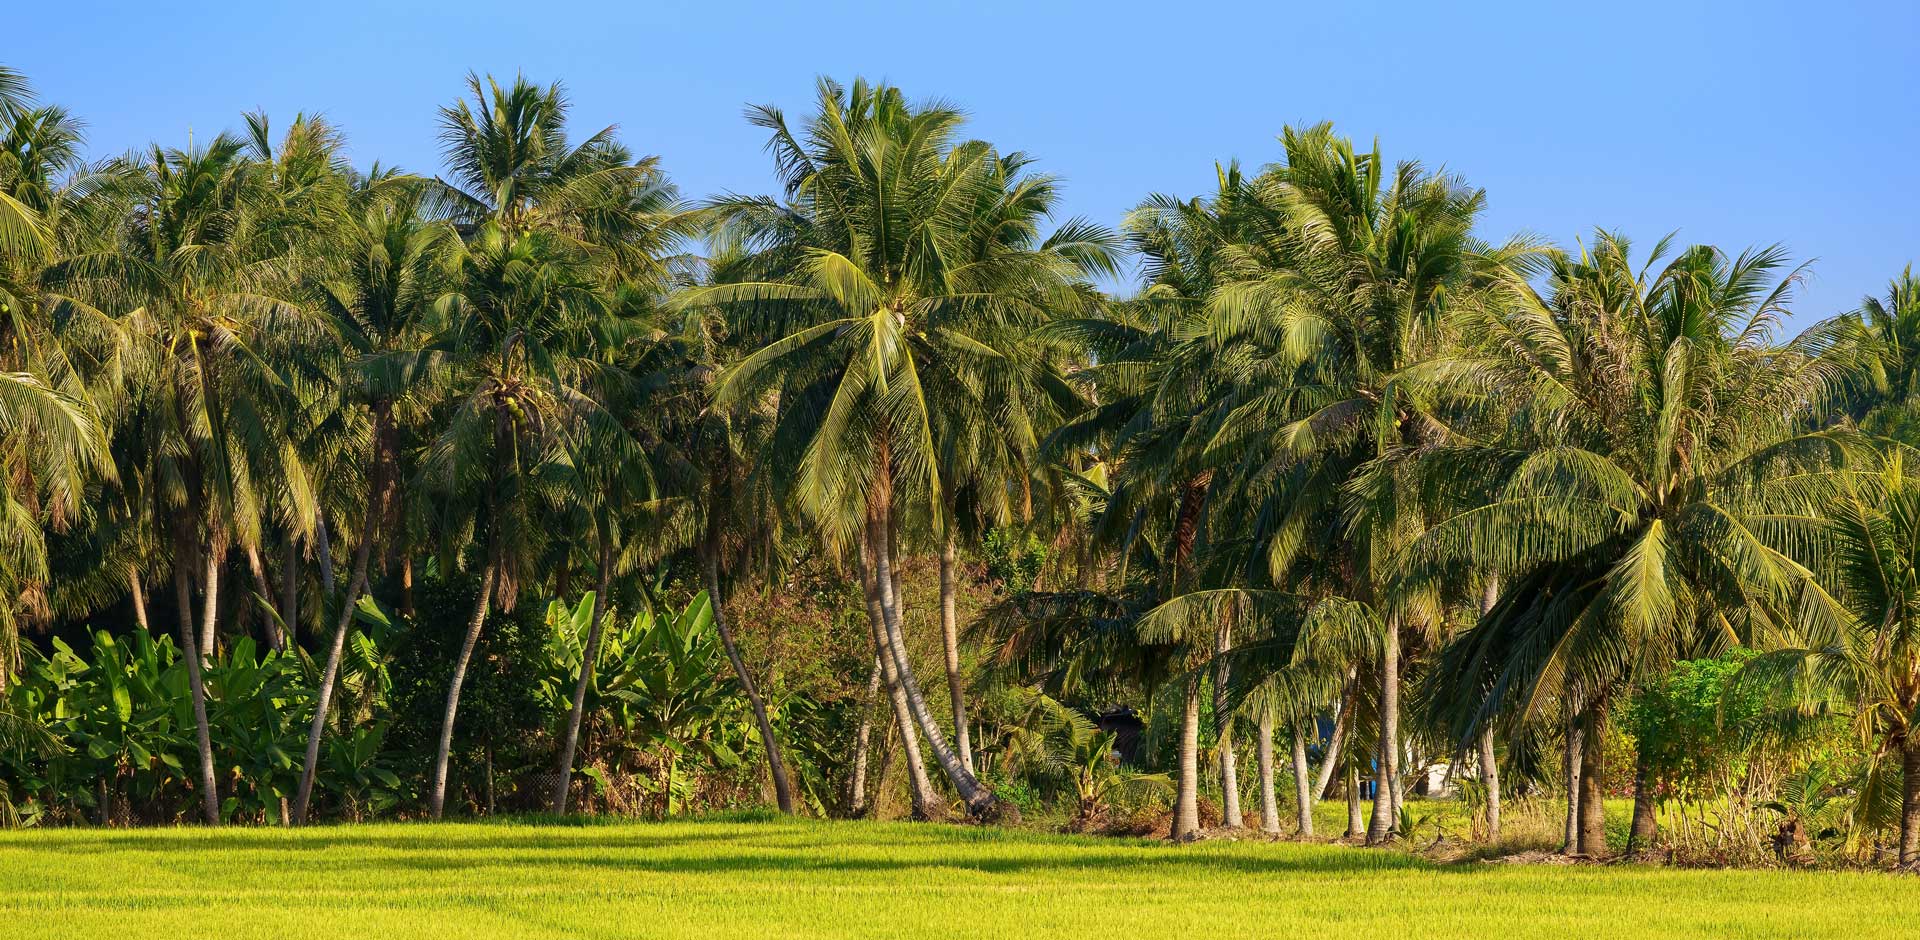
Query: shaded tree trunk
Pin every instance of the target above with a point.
(1576, 732)
(950, 639)
(197, 686)
(276, 637)
(1646, 822)
(1356, 824)
(1490, 780)
(863, 748)
(589, 656)
(1910, 804)
(210, 596)
(323, 552)
(1593, 789)
(1342, 719)
(1186, 808)
(437, 793)
(1223, 718)
(1263, 749)
(290, 586)
(1302, 797)
(1380, 827)
(782, 787)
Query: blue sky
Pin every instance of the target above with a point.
(1736, 124)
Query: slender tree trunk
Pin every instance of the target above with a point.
(782, 787)
(323, 550)
(1263, 751)
(1231, 816)
(863, 748)
(1302, 796)
(1575, 733)
(1380, 827)
(343, 618)
(1186, 811)
(290, 586)
(197, 686)
(1593, 789)
(406, 586)
(979, 799)
(920, 789)
(139, 596)
(1646, 822)
(210, 596)
(1356, 824)
(437, 798)
(276, 637)
(1910, 804)
(1490, 781)
(1342, 719)
(589, 655)
(950, 639)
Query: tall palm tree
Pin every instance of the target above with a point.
(871, 300)
(1657, 427)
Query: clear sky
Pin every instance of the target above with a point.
(1734, 123)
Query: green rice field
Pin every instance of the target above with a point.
(754, 879)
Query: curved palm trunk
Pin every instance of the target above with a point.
(920, 789)
(863, 748)
(276, 637)
(1186, 800)
(782, 787)
(1331, 760)
(950, 640)
(196, 684)
(437, 798)
(589, 655)
(1263, 752)
(1575, 733)
(1646, 823)
(1302, 798)
(1230, 813)
(1490, 780)
(979, 799)
(1380, 827)
(377, 493)
(139, 597)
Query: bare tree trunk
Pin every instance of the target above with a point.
(276, 637)
(863, 748)
(1302, 797)
(1380, 827)
(437, 798)
(1575, 732)
(323, 552)
(1593, 790)
(376, 496)
(950, 639)
(1910, 803)
(1646, 822)
(210, 596)
(1356, 824)
(1231, 816)
(1186, 810)
(139, 596)
(782, 787)
(589, 655)
(1263, 750)
(1490, 780)
(920, 789)
(1342, 719)
(196, 684)
(979, 799)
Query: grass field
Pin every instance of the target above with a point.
(746, 880)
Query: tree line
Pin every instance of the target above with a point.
(1337, 472)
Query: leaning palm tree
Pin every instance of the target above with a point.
(869, 301)
(1656, 428)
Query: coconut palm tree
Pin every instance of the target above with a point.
(871, 300)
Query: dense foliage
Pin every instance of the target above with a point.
(534, 486)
